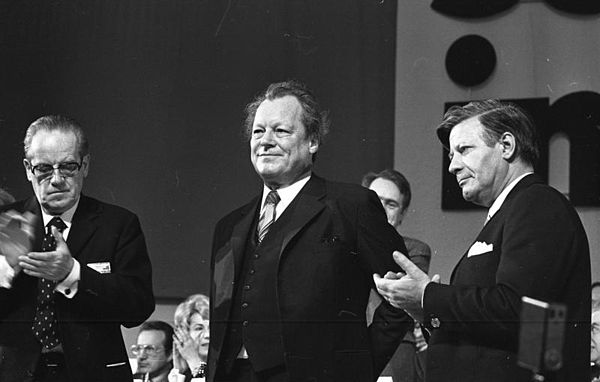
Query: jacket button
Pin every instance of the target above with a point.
(244, 305)
(435, 322)
(246, 287)
(245, 323)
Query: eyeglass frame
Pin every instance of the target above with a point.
(150, 350)
(55, 167)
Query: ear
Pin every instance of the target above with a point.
(85, 165)
(509, 146)
(27, 170)
(313, 145)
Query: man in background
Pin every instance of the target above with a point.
(154, 351)
(72, 269)
(290, 269)
(395, 195)
(532, 244)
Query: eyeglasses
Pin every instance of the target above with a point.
(151, 350)
(65, 169)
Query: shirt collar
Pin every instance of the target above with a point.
(500, 199)
(286, 194)
(66, 216)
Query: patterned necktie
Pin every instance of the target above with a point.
(45, 324)
(267, 217)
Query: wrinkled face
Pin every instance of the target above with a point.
(391, 198)
(147, 361)
(595, 353)
(480, 170)
(280, 150)
(199, 331)
(57, 192)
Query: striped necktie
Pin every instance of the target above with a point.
(45, 324)
(267, 216)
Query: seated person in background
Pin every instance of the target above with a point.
(191, 339)
(154, 352)
(394, 192)
(595, 348)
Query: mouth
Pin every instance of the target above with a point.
(462, 181)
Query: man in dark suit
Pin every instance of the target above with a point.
(395, 195)
(532, 244)
(290, 269)
(72, 269)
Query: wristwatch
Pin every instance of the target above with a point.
(199, 371)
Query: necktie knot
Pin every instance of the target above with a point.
(268, 215)
(272, 198)
(58, 223)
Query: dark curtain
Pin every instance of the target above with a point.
(160, 87)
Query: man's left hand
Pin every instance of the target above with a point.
(53, 265)
(404, 291)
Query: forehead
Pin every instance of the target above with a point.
(468, 131)
(386, 188)
(151, 337)
(53, 144)
(196, 318)
(286, 109)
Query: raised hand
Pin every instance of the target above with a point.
(53, 265)
(404, 290)
(16, 235)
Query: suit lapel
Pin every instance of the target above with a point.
(83, 225)
(241, 230)
(306, 206)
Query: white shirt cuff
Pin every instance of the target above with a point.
(7, 273)
(68, 287)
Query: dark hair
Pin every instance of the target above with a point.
(315, 120)
(161, 326)
(595, 284)
(60, 123)
(395, 177)
(497, 118)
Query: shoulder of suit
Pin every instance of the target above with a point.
(346, 190)
(100, 207)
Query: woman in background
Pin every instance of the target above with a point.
(190, 342)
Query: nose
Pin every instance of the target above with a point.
(267, 138)
(455, 164)
(56, 177)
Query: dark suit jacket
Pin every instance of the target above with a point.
(90, 323)
(540, 250)
(338, 237)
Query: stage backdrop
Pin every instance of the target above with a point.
(160, 87)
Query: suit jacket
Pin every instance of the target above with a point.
(533, 246)
(90, 322)
(338, 236)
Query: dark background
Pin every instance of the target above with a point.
(160, 87)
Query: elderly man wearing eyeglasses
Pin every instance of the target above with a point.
(153, 352)
(73, 269)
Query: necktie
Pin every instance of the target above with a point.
(267, 217)
(45, 324)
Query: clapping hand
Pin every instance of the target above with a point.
(52, 265)
(186, 350)
(404, 290)
(16, 235)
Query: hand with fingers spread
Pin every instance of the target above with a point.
(16, 234)
(404, 290)
(187, 350)
(53, 265)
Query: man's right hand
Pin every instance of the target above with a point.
(16, 235)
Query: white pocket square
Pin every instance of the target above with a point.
(480, 247)
(103, 267)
